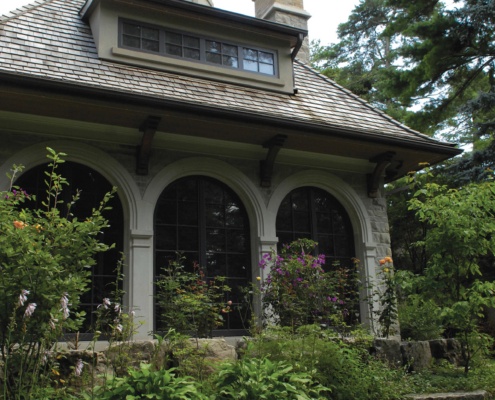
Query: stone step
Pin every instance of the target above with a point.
(477, 395)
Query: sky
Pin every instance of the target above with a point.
(326, 14)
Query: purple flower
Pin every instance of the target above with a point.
(22, 297)
(29, 310)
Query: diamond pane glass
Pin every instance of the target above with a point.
(173, 50)
(173, 38)
(131, 29)
(151, 34)
(151, 45)
(191, 41)
(131, 41)
(214, 58)
(192, 54)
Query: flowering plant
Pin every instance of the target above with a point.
(45, 260)
(298, 291)
(190, 303)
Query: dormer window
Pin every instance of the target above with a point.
(154, 39)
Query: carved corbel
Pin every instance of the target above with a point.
(148, 129)
(382, 163)
(266, 166)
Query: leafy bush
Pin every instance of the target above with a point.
(253, 378)
(346, 368)
(45, 260)
(188, 303)
(460, 234)
(420, 319)
(145, 383)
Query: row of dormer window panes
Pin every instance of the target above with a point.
(150, 39)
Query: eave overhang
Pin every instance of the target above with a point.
(300, 132)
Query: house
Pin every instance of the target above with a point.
(220, 137)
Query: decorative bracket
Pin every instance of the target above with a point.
(148, 128)
(266, 166)
(382, 162)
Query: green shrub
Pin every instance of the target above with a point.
(346, 368)
(420, 319)
(260, 378)
(45, 260)
(188, 303)
(145, 383)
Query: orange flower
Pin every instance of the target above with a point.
(388, 259)
(382, 261)
(19, 224)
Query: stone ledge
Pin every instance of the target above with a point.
(477, 395)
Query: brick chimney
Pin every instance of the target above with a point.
(287, 12)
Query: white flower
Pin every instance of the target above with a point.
(53, 323)
(117, 308)
(64, 302)
(106, 303)
(23, 297)
(29, 310)
(79, 367)
(119, 327)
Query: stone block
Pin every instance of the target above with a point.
(387, 350)
(416, 355)
(477, 395)
(446, 349)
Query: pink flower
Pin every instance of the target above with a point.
(53, 323)
(64, 302)
(22, 297)
(29, 310)
(79, 367)
(106, 303)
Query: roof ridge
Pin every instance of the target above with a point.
(16, 12)
(366, 104)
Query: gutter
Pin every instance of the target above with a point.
(235, 115)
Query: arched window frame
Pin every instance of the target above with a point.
(233, 325)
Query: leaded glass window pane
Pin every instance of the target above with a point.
(210, 228)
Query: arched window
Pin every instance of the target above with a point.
(312, 213)
(92, 187)
(206, 222)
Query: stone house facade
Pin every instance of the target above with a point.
(221, 139)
